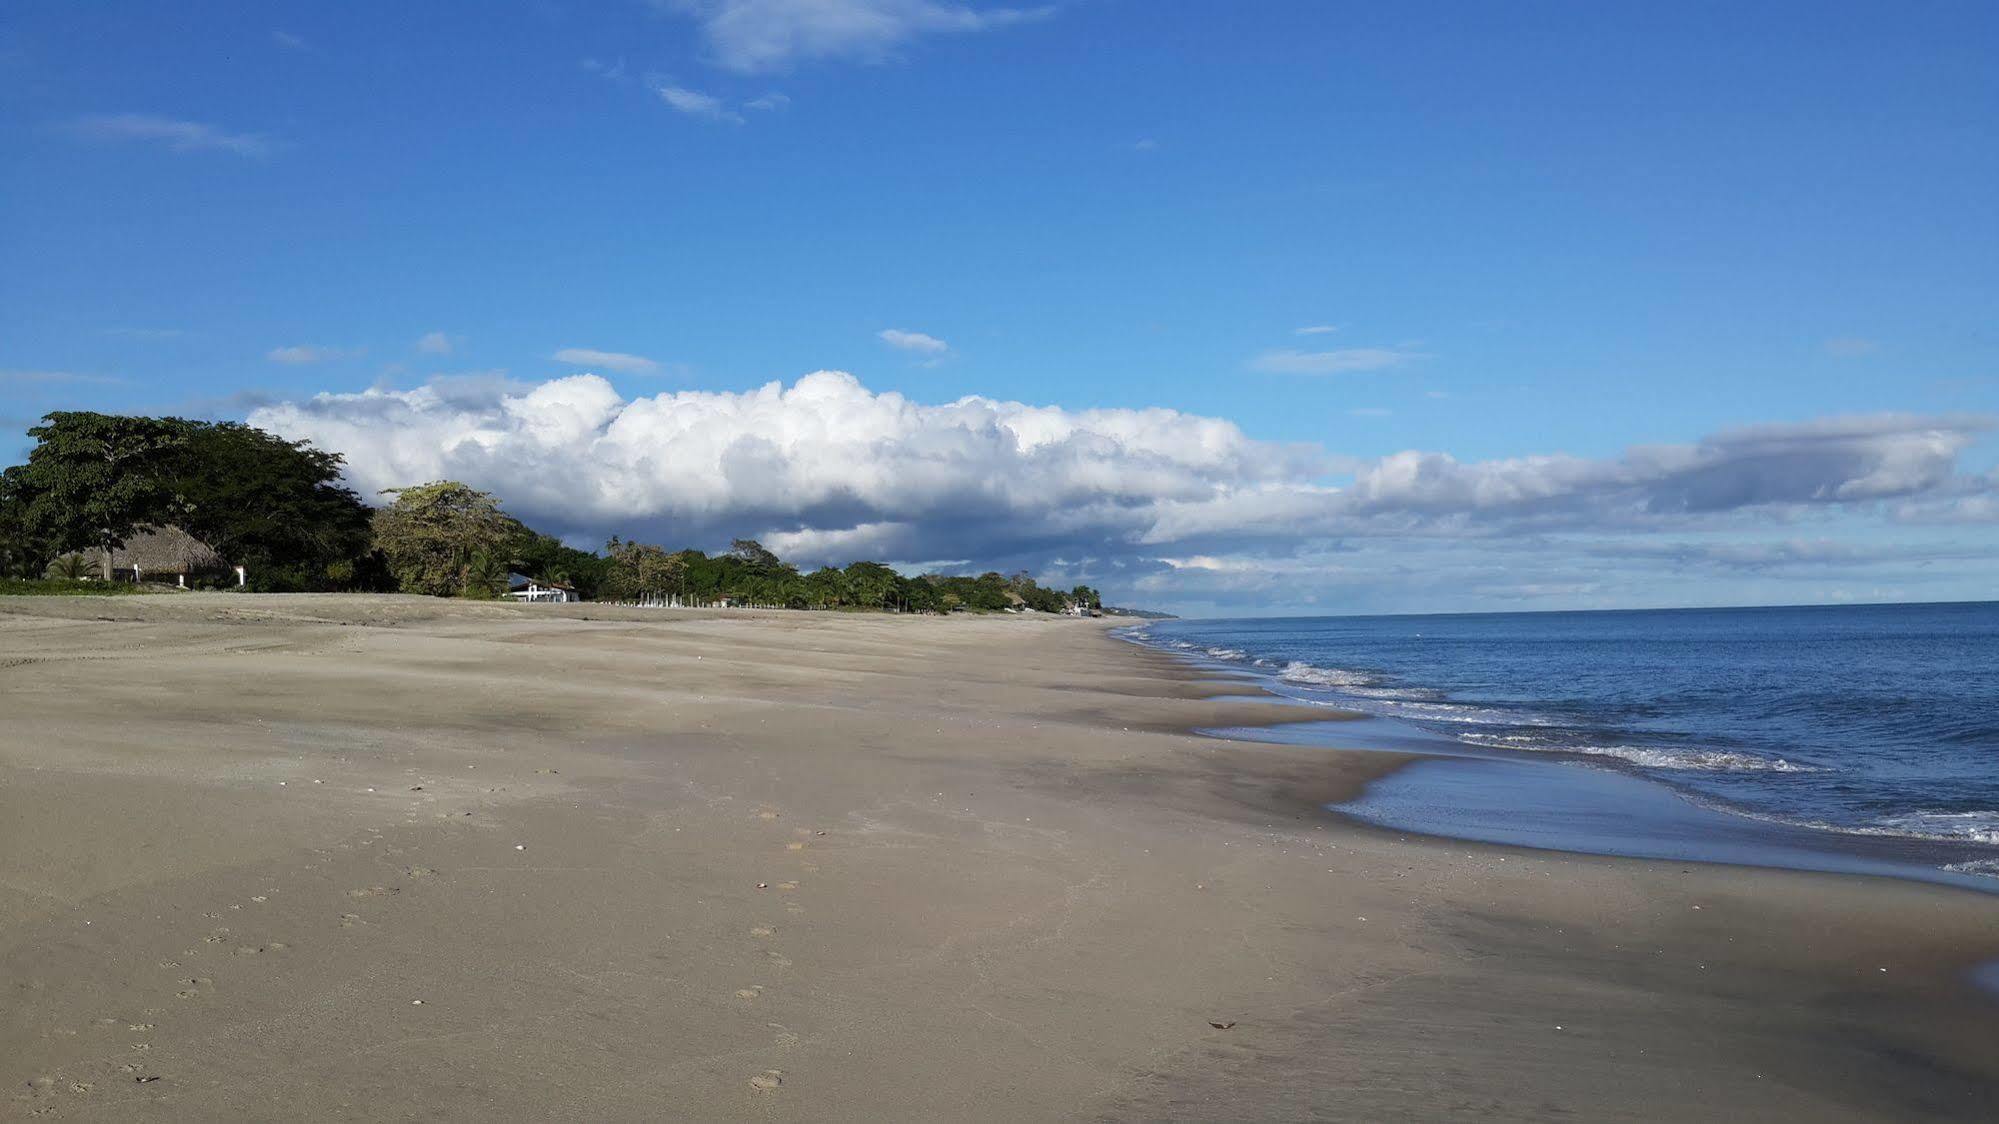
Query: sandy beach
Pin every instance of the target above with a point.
(366, 858)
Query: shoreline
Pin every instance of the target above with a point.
(633, 861)
(1629, 813)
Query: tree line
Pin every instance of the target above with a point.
(278, 508)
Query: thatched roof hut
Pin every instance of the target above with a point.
(153, 554)
(165, 551)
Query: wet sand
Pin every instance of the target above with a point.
(335, 858)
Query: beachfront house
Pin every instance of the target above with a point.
(520, 587)
(164, 554)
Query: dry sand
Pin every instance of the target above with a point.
(385, 858)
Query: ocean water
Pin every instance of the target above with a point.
(1870, 720)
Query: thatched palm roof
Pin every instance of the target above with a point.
(166, 550)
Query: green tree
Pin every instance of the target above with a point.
(93, 479)
(873, 584)
(754, 557)
(485, 577)
(638, 571)
(264, 502)
(22, 553)
(432, 534)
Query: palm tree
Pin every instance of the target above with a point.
(69, 567)
(484, 577)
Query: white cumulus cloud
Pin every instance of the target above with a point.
(827, 470)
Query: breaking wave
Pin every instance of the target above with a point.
(1969, 827)
(1300, 672)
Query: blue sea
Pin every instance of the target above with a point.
(1827, 725)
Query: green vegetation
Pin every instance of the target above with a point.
(277, 507)
(749, 574)
(92, 480)
(440, 538)
(57, 587)
(448, 539)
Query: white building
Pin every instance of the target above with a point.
(520, 587)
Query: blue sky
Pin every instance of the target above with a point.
(1530, 231)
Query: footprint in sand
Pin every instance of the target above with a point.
(767, 814)
(762, 931)
(751, 992)
(778, 961)
(784, 1039)
(767, 1081)
(375, 892)
(349, 920)
(794, 846)
(252, 950)
(786, 887)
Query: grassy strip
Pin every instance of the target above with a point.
(58, 587)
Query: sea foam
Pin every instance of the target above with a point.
(1650, 757)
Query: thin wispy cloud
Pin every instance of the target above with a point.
(694, 103)
(435, 343)
(618, 361)
(1351, 360)
(1850, 347)
(752, 36)
(301, 354)
(289, 41)
(1145, 144)
(147, 333)
(917, 343)
(175, 134)
(768, 103)
(56, 378)
(1316, 330)
(609, 71)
